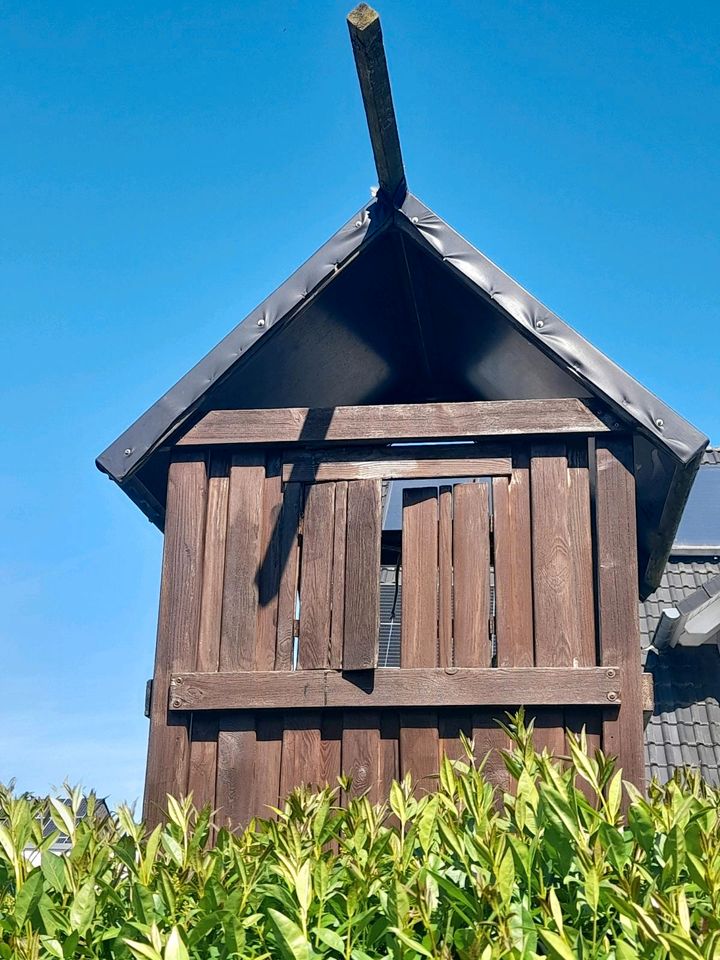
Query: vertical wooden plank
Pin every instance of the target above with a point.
(331, 735)
(550, 732)
(617, 577)
(288, 535)
(362, 575)
(445, 577)
(419, 577)
(203, 759)
(451, 724)
(489, 739)
(513, 565)
(266, 771)
(337, 624)
(562, 555)
(419, 745)
(471, 561)
(238, 643)
(208, 653)
(316, 576)
(389, 751)
(235, 769)
(178, 629)
(268, 577)
(301, 751)
(361, 752)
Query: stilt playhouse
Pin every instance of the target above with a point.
(537, 489)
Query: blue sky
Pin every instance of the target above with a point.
(164, 167)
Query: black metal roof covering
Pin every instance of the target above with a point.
(398, 307)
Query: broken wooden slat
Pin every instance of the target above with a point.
(411, 421)
(390, 686)
(316, 576)
(362, 575)
(178, 629)
(471, 565)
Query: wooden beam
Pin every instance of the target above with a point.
(392, 687)
(396, 422)
(388, 463)
(369, 52)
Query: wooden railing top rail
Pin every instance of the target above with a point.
(397, 422)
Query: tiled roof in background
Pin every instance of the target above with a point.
(711, 455)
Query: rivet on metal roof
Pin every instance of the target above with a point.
(261, 322)
(659, 423)
(539, 324)
(358, 223)
(127, 451)
(414, 219)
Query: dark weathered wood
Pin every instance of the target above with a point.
(513, 566)
(178, 629)
(562, 557)
(446, 656)
(456, 464)
(451, 723)
(203, 759)
(361, 752)
(420, 748)
(302, 759)
(362, 575)
(316, 576)
(389, 750)
(471, 564)
(238, 643)
(390, 686)
(580, 530)
(617, 601)
(331, 736)
(235, 770)
(369, 52)
(550, 732)
(287, 534)
(268, 575)
(208, 652)
(268, 757)
(411, 421)
(489, 740)
(419, 577)
(337, 621)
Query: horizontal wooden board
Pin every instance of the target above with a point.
(406, 421)
(391, 687)
(396, 463)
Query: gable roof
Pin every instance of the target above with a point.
(398, 307)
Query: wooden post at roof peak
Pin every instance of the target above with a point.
(371, 64)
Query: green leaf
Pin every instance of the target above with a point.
(409, 942)
(142, 951)
(331, 939)
(556, 945)
(53, 869)
(63, 819)
(83, 907)
(28, 897)
(175, 949)
(292, 939)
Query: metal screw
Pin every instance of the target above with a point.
(358, 223)
(609, 674)
(177, 680)
(612, 695)
(261, 322)
(659, 423)
(177, 703)
(128, 451)
(540, 324)
(414, 219)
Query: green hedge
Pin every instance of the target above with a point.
(458, 873)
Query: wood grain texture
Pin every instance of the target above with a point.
(302, 759)
(618, 601)
(580, 529)
(316, 576)
(489, 740)
(362, 575)
(419, 577)
(361, 752)
(178, 630)
(288, 537)
(513, 566)
(235, 770)
(331, 736)
(389, 750)
(238, 643)
(411, 421)
(471, 564)
(268, 574)
(446, 652)
(203, 759)
(372, 70)
(393, 687)
(420, 748)
(550, 732)
(208, 653)
(317, 468)
(562, 557)
(337, 621)
(268, 758)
